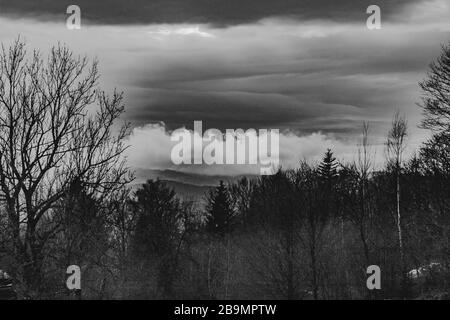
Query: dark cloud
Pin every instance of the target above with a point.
(216, 12)
(330, 83)
(297, 76)
(317, 78)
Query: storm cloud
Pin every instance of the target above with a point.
(312, 71)
(215, 12)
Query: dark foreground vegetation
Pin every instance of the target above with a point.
(308, 233)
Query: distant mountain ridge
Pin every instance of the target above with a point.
(183, 177)
(188, 186)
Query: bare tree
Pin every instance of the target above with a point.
(436, 94)
(395, 147)
(56, 126)
(365, 166)
(436, 110)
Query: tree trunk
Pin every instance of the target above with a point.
(314, 271)
(403, 277)
(399, 225)
(290, 276)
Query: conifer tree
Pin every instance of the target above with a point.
(219, 210)
(328, 167)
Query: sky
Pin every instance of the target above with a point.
(311, 69)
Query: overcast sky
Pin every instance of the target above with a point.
(309, 68)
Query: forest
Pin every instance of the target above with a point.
(304, 233)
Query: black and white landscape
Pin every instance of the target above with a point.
(94, 206)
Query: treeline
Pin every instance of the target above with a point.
(307, 233)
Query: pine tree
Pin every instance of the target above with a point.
(157, 219)
(219, 209)
(318, 215)
(328, 167)
(157, 237)
(83, 224)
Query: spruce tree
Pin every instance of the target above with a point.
(220, 213)
(328, 167)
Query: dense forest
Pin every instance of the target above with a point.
(304, 233)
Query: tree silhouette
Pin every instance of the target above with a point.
(396, 144)
(327, 175)
(436, 109)
(158, 235)
(48, 139)
(219, 209)
(157, 219)
(436, 94)
(328, 167)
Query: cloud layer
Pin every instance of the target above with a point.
(151, 146)
(315, 79)
(215, 12)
